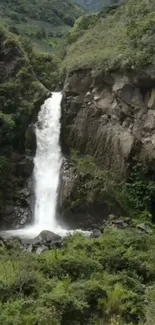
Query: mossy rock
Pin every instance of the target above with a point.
(87, 195)
(30, 140)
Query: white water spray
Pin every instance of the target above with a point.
(47, 163)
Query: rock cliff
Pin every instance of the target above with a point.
(112, 119)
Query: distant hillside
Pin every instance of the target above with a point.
(44, 21)
(96, 5)
(123, 38)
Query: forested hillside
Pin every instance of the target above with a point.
(122, 39)
(96, 5)
(42, 21)
(21, 95)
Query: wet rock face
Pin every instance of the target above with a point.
(110, 117)
(18, 209)
(45, 241)
(30, 139)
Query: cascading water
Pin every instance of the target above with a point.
(47, 163)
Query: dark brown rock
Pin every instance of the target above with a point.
(24, 168)
(47, 236)
(110, 117)
(30, 140)
(95, 233)
(83, 201)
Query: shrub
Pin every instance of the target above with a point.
(63, 264)
(88, 282)
(4, 180)
(138, 193)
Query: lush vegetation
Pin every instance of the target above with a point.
(134, 197)
(21, 95)
(19, 92)
(109, 280)
(45, 65)
(122, 39)
(44, 22)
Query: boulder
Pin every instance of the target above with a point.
(48, 237)
(30, 248)
(145, 228)
(120, 224)
(95, 233)
(41, 249)
(13, 242)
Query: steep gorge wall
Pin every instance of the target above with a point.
(110, 117)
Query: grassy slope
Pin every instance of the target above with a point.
(42, 21)
(122, 40)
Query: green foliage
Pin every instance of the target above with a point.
(49, 11)
(45, 65)
(97, 281)
(135, 197)
(4, 179)
(96, 5)
(46, 69)
(123, 40)
(139, 192)
(37, 18)
(83, 23)
(21, 94)
(7, 128)
(94, 189)
(149, 308)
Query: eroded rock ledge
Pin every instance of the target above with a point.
(110, 117)
(109, 122)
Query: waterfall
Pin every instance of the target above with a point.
(47, 163)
